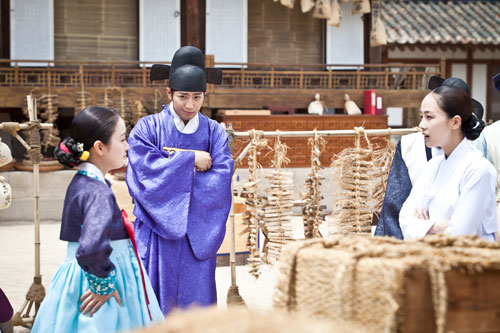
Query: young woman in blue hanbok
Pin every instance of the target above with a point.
(456, 193)
(100, 286)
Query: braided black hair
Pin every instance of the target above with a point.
(92, 124)
(70, 158)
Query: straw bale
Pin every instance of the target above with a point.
(346, 277)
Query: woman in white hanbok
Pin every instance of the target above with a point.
(456, 193)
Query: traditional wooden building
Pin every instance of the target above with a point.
(273, 57)
(466, 34)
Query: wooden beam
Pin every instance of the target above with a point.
(231, 98)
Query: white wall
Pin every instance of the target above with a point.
(345, 44)
(459, 70)
(226, 35)
(479, 84)
(159, 29)
(32, 31)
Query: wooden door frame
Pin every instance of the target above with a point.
(5, 29)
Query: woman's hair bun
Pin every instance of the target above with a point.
(474, 127)
(68, 152)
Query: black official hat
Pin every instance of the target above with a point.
(187, 72)
(455, 82)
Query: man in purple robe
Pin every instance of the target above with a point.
(179, 176)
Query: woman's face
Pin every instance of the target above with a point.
(435, 124)
(116, 149)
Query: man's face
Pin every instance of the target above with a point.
(186, 103)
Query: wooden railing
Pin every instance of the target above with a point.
(70, 74)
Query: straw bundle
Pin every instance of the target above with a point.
(277, 226)
(382, 159)
(312, 211)
(138, 111)
(351, 212)
(47, 113)
(47, 104)
(154, 105)
(117, 103)
(251, 215)
(83, 99)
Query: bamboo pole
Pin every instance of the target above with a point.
(35, 159)
(371, 132)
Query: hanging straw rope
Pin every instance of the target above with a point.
(312, 211)
(277, 226)
(250, 215)
(352, 166)
(382, 166)
(82, 97)
(48, 104)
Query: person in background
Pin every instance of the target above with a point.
(409, 161)
(489, 144)
(455, 194)
(179, 175)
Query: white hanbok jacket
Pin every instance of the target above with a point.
(460, 189)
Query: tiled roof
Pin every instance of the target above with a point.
(438, 22)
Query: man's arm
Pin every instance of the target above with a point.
(159, 182)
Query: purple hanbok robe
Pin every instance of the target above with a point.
(181, 213)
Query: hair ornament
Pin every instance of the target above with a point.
(63, 147)
(476, 125)
(85, 155)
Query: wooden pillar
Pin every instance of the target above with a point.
(193, 23)
(5, 29)
(469, 66)
(373, 55)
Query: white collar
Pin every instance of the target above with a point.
(92, 171)
(188, 128)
